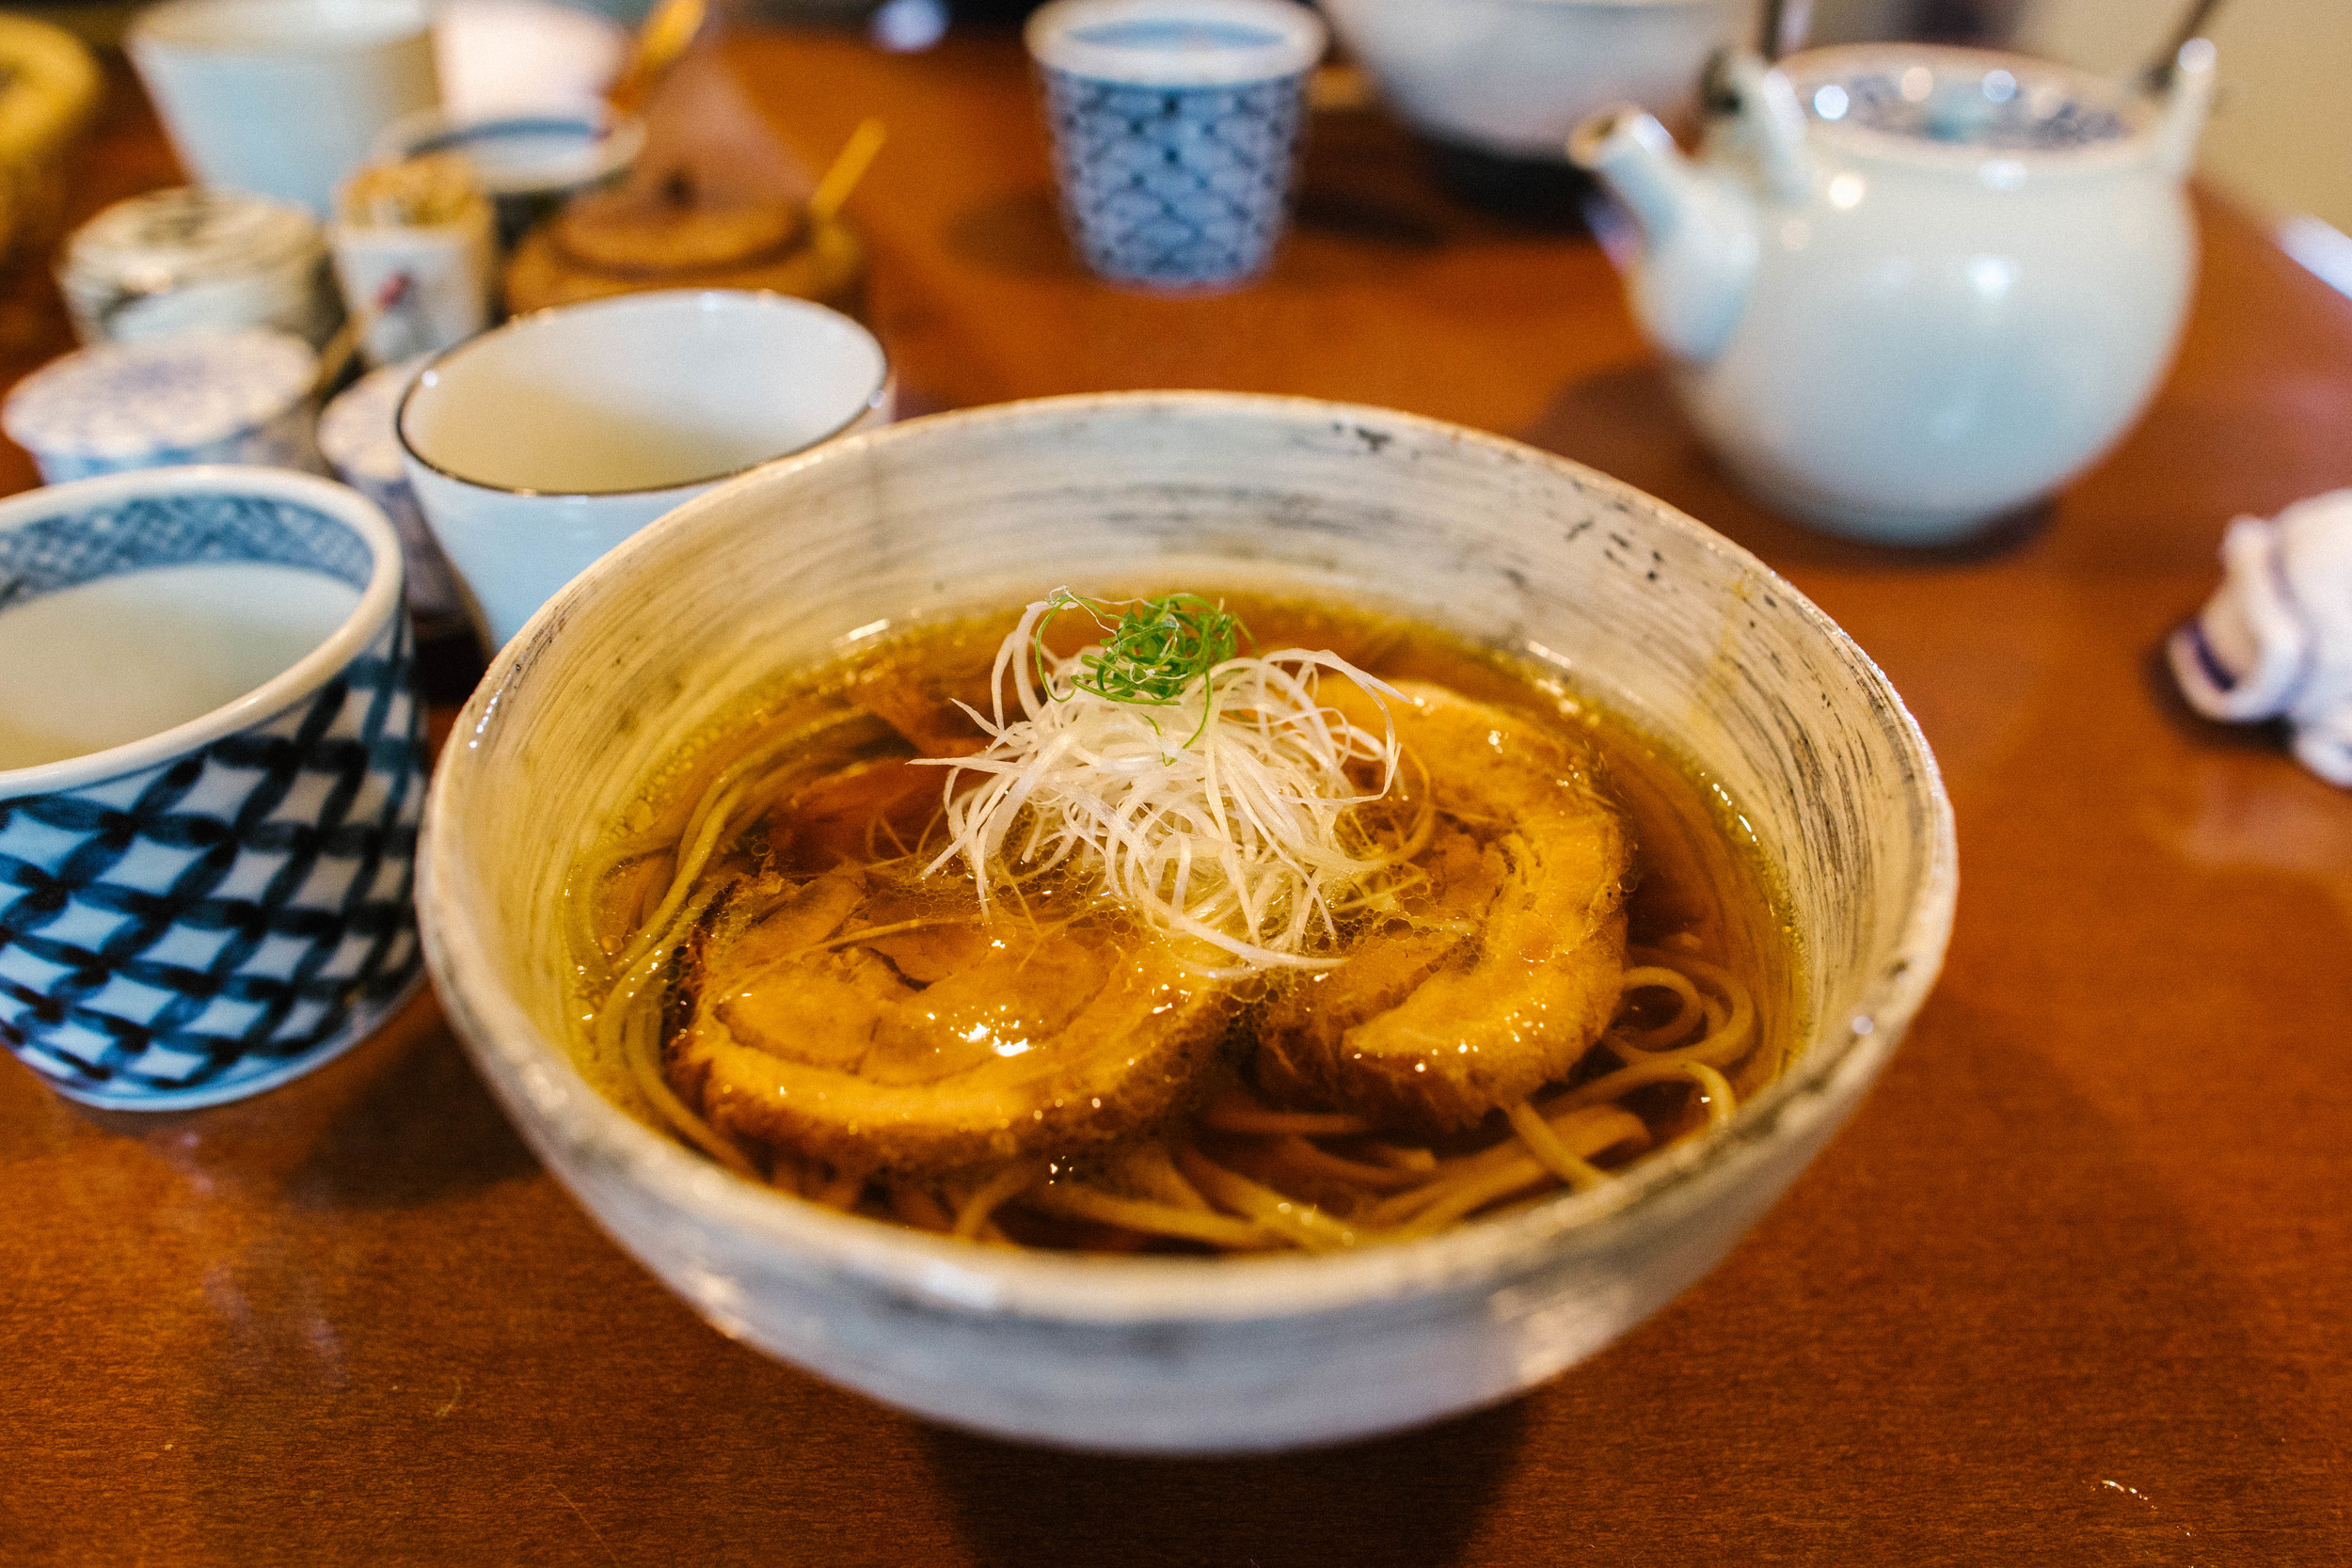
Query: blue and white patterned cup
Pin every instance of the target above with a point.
(1175, 127)
(211, 777)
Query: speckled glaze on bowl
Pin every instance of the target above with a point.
(1681, 631)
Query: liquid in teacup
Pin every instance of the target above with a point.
(112, 661)
(601, 445)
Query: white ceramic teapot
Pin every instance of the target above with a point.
(1908, 289)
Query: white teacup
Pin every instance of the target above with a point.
(283, 97)
(536, 448)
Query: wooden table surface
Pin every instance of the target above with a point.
(2075, 1287)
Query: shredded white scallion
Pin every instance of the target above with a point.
(1223, 814)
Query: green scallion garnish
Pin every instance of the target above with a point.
(1153, 650)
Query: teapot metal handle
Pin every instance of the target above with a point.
(2156, 76)
(2186, 100)
(1773, 121)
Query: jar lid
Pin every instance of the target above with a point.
(171, 239)
(1176, 43)
(125, 401)
(630, 236)
(356, 432)
(1975, 100)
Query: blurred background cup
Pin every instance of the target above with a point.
(1175, 127)
(210, 783)
(536, 448)
(283, 97)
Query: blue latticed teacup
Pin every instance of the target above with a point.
(1175, 126)
(210, 781)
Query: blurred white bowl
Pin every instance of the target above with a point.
(1684, 633)
(1513, 77)
(527, 161)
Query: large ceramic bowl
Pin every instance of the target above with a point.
(1513, 77)
(1683, 632)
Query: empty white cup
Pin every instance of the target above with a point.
(536, 448)
(283, 97)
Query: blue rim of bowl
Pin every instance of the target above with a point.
(616, 136)
(1299, 39)
(927, 1273)
(872, 400)
(378, 602)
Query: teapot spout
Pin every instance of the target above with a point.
(1690, 282)
(2188, 96)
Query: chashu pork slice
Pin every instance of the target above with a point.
(1500, 976)
(950, 1045)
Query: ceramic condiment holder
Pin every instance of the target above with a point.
(185, 260)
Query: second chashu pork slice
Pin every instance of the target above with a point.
(949, 1045)
(1500, 977)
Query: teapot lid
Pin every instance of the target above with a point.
(1968, 101)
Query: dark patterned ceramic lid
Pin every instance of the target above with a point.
(173, 239)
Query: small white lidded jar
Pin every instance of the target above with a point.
(208, 397)
(187, 258)
(413, 247)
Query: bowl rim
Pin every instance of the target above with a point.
(868, 400)
(572, 1121)
(613, 137)
(378, 601)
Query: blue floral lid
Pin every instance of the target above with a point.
(118, 402)
(1959, 98)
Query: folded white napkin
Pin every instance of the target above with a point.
(2276, 639)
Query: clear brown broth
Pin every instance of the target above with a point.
(1700, 880)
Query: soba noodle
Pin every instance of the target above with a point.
(1252, 1166)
